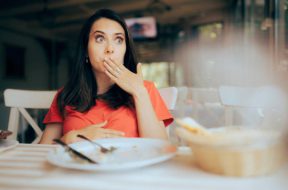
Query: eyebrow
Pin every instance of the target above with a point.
(99, 31)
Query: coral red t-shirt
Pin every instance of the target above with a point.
(122, 119)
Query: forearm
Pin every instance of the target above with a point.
(51, 132)
(148, 123)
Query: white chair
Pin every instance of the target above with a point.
(207, 96)
(19, 101)
(256, 99)
(169, 96)
(182, 95)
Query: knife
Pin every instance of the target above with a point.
(79, 154)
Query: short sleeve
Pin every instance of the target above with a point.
(53, 115)
(158, 104)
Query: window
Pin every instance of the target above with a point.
(210, 32)
(157, 72)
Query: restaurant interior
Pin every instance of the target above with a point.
(227, 60)
(196, 44)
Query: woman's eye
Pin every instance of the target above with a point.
(99, 38)
(119, 40)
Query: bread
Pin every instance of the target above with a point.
(191, 125)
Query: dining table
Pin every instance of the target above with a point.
(25, 166)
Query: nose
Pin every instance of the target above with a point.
(109, 49)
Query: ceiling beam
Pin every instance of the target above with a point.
(73, 22)
(20, 27)
(213, 16)
(190, 10)
(182, 10)
(123, 8)
(36, 7)
(119, 7)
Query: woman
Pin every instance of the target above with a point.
(106, 96)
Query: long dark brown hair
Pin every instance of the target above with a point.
(80, 92)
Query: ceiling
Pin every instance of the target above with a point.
(62, 19)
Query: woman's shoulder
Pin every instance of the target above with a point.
(58, 91)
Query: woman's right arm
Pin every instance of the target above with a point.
(52, 131)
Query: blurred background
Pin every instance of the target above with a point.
(195, 45)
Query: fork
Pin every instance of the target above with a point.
(75, 152)
(102, 149)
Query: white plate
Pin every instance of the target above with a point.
(130, 153)
(7, 144)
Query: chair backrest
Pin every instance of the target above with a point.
(257, 98)
(182, 94)
(19, 100)
(169, 96)
(264, 96)
(203, 95)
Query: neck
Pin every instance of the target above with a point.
(103, 83)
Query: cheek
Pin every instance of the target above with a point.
(96, 57)
(121, 54)
(95, 53)
(97, 65)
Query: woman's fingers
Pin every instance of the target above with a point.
(113, 68)
(99, 125)
(115, 64)
(100, 133)
(124, 78)
(111, 132)
(110, 72)
(139, 70)
(110, 135)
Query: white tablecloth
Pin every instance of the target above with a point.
(25, 167)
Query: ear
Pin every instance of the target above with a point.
(139, 70)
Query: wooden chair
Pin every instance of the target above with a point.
(19, 101)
